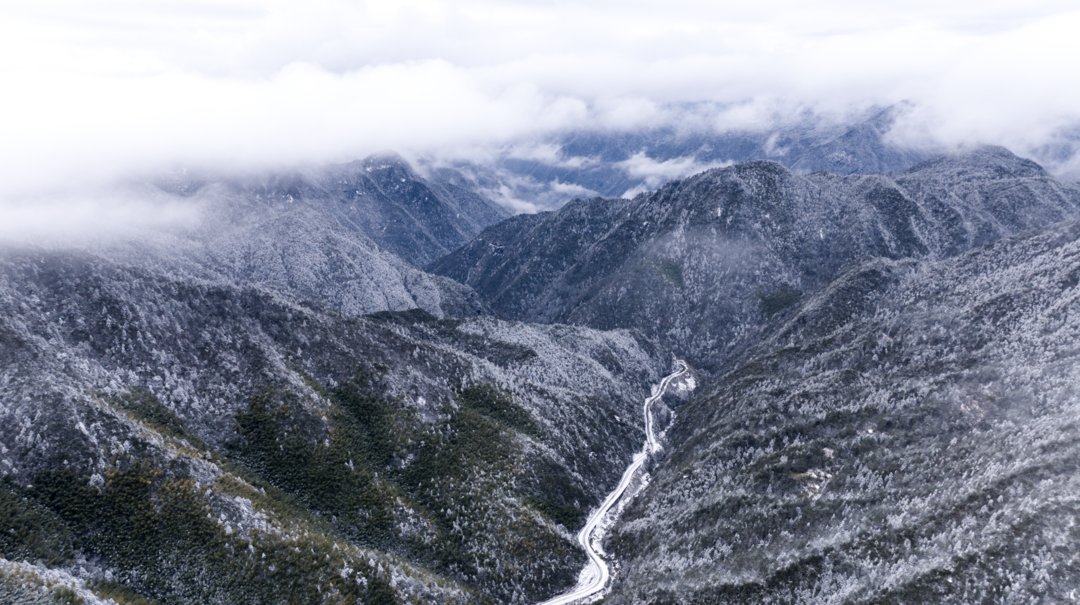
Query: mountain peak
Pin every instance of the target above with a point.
(386, 158)
(754, 171)
(986, 161)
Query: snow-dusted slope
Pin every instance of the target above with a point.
(731, 248)
(909, 435)
(348, 237)
(438, 460)
(380, 198)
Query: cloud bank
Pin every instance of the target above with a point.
(88, 218)
(94, 92)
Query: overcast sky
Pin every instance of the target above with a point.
(103, 88)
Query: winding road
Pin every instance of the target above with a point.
(597, 574)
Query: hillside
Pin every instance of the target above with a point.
(908, 435)
(704, 264)
(186, 441)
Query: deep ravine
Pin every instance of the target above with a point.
(595, 577)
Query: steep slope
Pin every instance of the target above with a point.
(862, 147)
(380, 198)
(705, 263)
(909, 435)
(307, 249)
(187, 441)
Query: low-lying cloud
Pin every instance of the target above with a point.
(114, 89)
(95, 217)
(654, 173)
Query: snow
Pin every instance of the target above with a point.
(48, 579)
(595, 577)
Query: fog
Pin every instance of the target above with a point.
(117, 89)
(95, 216)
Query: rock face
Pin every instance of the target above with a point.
(907, 435)
(704, 264)
(190, 438)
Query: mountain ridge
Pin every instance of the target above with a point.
(754, 236)
(281, 394)
(436, 450)
(907, 434)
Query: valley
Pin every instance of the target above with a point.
(596, 576)
(497, 302)
(289, 398)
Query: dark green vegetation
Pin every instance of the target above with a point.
(375, 464)
(351, 480)
(31, 531)
(497, 406)
(149, 409)
(368, 468)
(776, 300)
(331, 470)
(159, 534)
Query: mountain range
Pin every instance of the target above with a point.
(367, 383)
(704, 264)
(551, 171)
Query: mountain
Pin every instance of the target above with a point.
(704, 264)
(271, 402)
(620, 163)
(860, 147)
(302, 251)
(187, 441)
(348, 237)
(908, 434)
(380, 197)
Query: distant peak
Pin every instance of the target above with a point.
(761, 166)
(742, 170)
(386, 157)
(887, 116)
(384, 160)
(993, 160)
(991, 151)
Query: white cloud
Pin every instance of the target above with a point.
(88, 218)
(654, 173)
(96, 90)
(572, 189)
(547, 153)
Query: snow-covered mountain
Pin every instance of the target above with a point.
(704, 264)
(553, 170)
(380, 197)
(188, 441)
(909, 434)
(269, 401)
(274, 403)
(348, 237)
